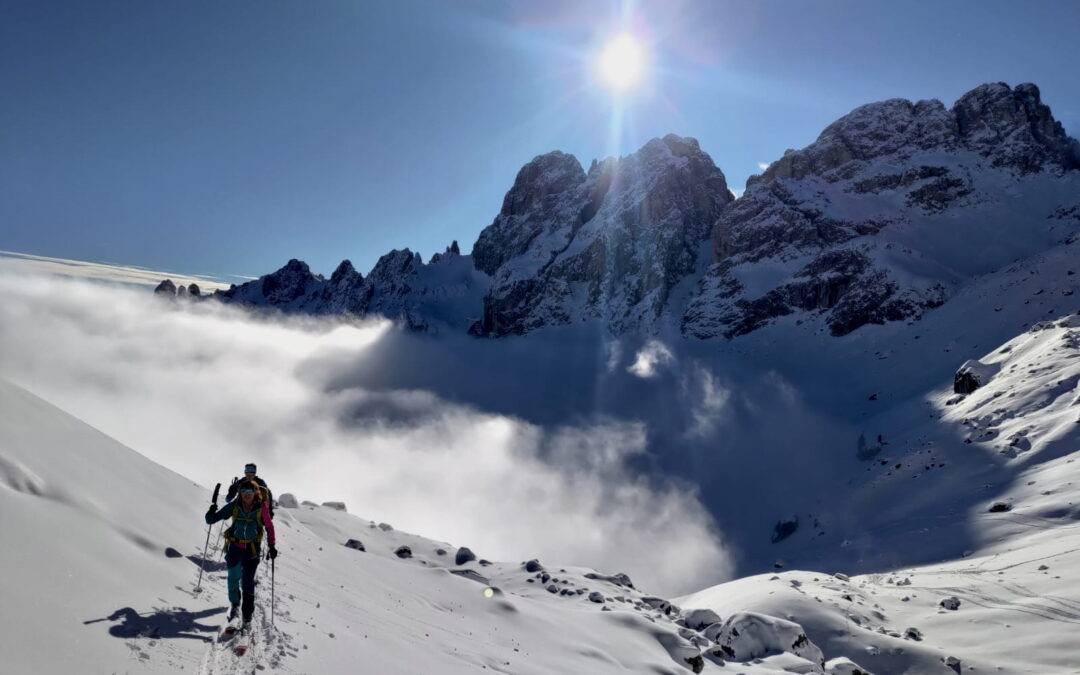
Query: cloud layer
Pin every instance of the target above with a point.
(203, 388)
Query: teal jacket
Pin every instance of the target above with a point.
(245, 523)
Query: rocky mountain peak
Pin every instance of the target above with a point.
(1010, 126)
(345, 270)
(543, 188)
(395, 265)
(615, 241)
(1014, 128)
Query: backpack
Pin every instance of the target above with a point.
(247, 527)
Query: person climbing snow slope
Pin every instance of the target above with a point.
(250, 513)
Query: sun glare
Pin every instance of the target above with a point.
(622, 62)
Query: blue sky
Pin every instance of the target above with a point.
(227, 137)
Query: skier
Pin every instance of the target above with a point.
(249, 473)
(250, 514)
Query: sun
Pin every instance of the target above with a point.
(621, 65)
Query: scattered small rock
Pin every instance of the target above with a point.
(403, 552)
(952, 603)
(356, 544)
(339, 506)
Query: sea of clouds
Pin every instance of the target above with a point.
(404, 429)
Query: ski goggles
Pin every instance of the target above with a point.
(247, 491)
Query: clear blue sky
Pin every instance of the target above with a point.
(226, 137)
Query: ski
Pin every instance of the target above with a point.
(241, 648)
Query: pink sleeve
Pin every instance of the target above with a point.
(269, 523)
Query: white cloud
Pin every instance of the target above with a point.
(649, 358)
(26, 263)
(762, 165)
(710, 400)
(203, 388)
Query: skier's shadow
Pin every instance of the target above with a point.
(161, 624)
(208, 564)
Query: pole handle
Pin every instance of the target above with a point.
(217, 489)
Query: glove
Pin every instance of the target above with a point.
(210, 512)
(273, 552)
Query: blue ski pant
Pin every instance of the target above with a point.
(242, 565)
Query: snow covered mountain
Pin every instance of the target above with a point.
(888, 214)
(895, 207)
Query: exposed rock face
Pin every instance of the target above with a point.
(838, 227)
(747, 635)
(972, 375)
(610, 245)
(166, 288)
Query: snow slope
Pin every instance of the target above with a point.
(115, 583)
(108, 550)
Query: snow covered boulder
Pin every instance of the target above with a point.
(533, 566)
(700, 619)
(339, 506)
(596, 596)
(972, 375)
(842, 665)
(952, 602)
(287, 501)
(619, 579)
(748, 635)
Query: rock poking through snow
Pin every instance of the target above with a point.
(700, 619)
(748, 635)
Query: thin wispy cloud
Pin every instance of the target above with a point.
(80, 269)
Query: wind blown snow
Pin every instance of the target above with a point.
(649, 359)
(204, 388)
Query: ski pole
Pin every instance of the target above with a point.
(272, 561)
(206, 547)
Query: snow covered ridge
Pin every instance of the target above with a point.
(890, 212)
